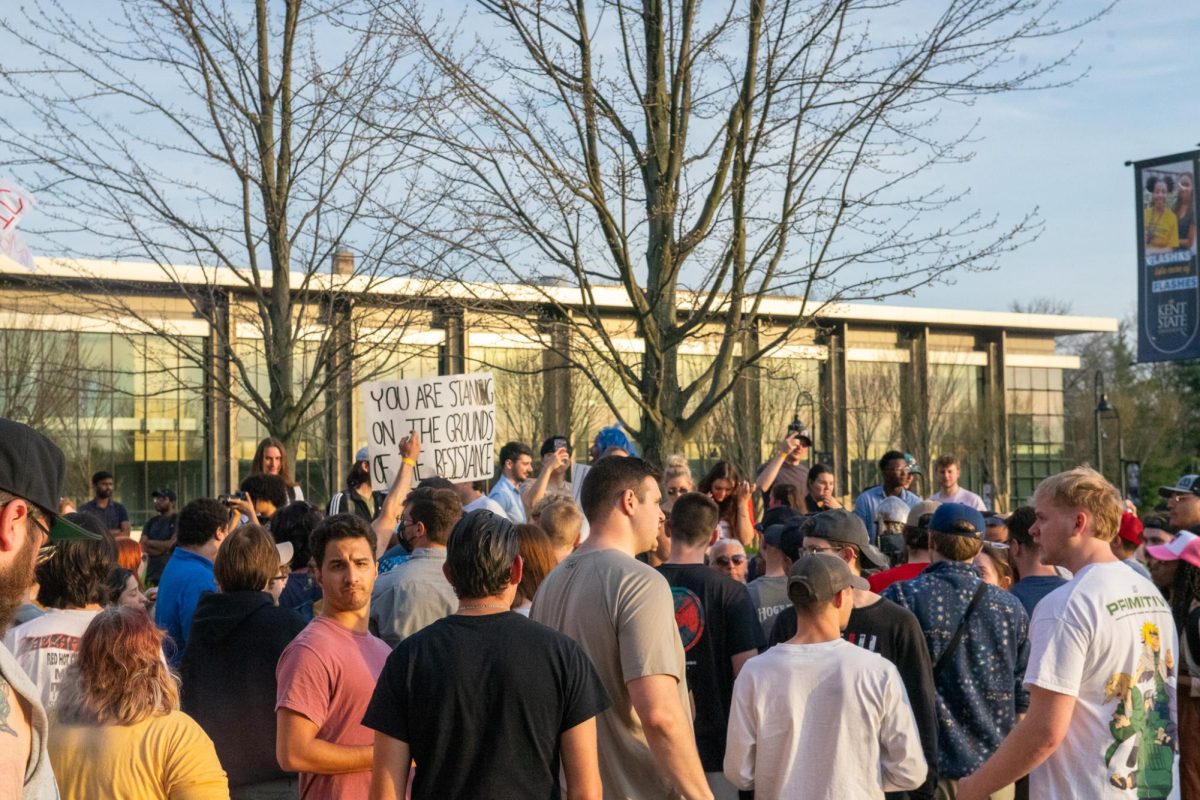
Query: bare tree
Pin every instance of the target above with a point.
(872, 415)
(685, 162)
(245, 138)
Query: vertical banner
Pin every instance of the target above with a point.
(1168, 278)
(454, 415)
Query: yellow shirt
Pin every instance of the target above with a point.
(1162, 228)
(168, 757)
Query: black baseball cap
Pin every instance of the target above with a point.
(33, 468)
(1188, 484)
(817, 577)
(839, 525)
(164, 491)
(790, 537)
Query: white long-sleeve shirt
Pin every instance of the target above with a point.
(828, 720)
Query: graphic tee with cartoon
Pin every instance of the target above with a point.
(1107, 638)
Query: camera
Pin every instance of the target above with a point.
(559, 444)
(796, 426)
(233, 498)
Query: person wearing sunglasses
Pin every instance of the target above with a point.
(32, 473)
(728, 557)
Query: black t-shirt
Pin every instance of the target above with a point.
(717, 620)
(159, 528)
(894, 633)
(482, 702)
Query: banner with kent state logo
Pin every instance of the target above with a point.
(1168, 278)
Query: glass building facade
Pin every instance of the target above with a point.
(136, 404)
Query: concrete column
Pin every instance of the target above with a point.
(556, 374)
(914, 402)
(995, 420)
(452, 353)
(835, 420)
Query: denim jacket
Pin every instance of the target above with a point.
(980, 688)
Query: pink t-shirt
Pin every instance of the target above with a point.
(328, 674)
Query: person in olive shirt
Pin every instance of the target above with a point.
(876, 624)
(718, 626)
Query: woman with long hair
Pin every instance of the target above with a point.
(271, 458)
(725, 485)
(820, 495)
(1185, 211)
(125, 590)
(676, 481)
(117, 730)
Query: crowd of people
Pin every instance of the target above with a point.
(597, 629)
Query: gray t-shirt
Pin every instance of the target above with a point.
(39, 778)
(622, 614)
(412, 596)
(770, 597)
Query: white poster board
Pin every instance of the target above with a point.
(455, 416)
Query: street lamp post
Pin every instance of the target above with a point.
(1104, 407)
(803, 395)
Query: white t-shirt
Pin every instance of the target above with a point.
(824, 721)
(1107, 639)
(46, 645)
(961, 496)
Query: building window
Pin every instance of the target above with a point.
(131, 405)
(1035, 427)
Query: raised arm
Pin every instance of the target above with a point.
(537, 489)
(766, 478)
(384, 525)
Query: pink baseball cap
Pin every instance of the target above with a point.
(1185, 546)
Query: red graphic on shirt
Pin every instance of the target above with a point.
(52, 641)
(689, 616)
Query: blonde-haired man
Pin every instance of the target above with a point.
(1101, 676)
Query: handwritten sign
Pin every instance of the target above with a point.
(15, 203)
(455, 416)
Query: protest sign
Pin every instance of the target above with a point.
(15, 203)
(455, 416)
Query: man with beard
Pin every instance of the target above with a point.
(358, 497)
(328, 672)
(32, 470)
(102, 505)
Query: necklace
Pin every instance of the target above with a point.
(476, 606)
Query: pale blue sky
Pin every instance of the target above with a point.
(1063, 151)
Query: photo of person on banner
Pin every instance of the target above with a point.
(1169, 290)
(1160, 226)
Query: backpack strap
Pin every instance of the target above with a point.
(962, 627)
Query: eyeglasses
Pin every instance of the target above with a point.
(47, 551)
(811, 550)
(724, 561)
